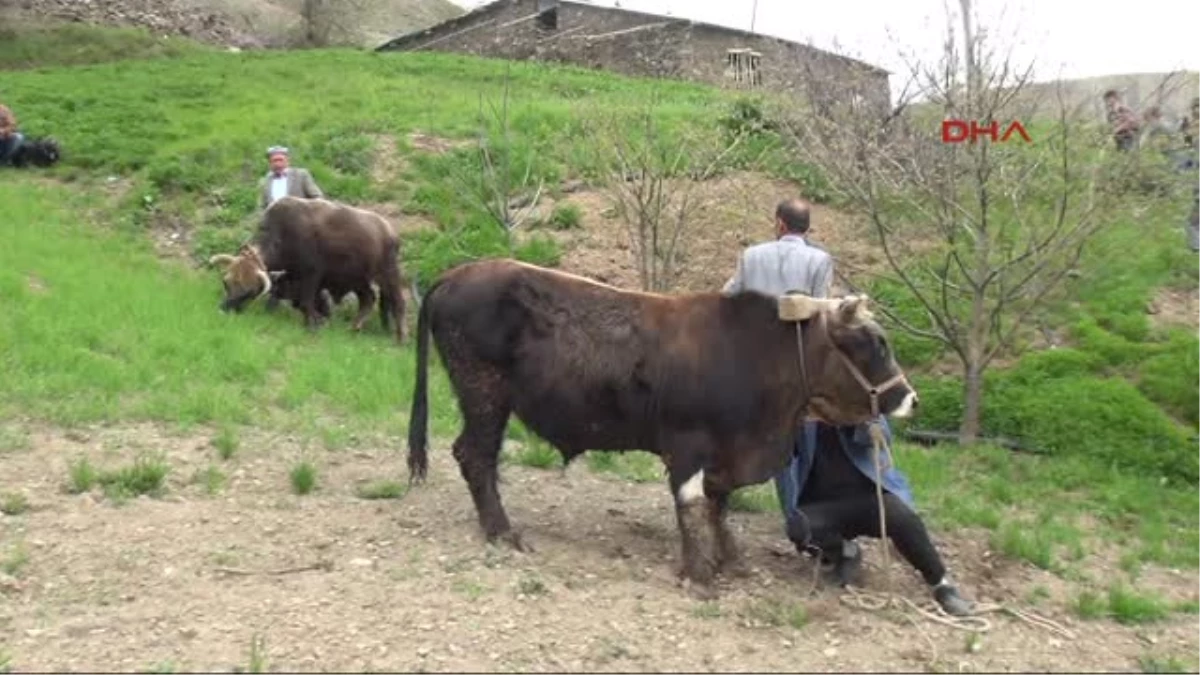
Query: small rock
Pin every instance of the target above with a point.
(830, 652)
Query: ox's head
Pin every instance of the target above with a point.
(44, 152)
(849, 362)
(245, 277)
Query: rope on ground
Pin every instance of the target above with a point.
(870, 601)
(976, 621)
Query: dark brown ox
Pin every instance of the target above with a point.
(307, 245)
(713, 385)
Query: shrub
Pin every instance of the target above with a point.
(1055, 402)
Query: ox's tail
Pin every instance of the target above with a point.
(418, 419)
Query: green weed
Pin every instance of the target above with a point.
(15, 560)
(775, 612)
(566, 217)
(385, 489)
(144, 476)
(82, 476)
(212, 478)
(303, 477)
(226, 442)
(13, 504)
(1157, 664)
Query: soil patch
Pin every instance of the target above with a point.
(1175, 308)
(331, 581)
(435, 144)
(733, 211)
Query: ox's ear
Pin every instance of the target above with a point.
(854, 308)
(795, 306)
(223, 259)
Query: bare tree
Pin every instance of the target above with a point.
(653, 175)
(500, 179)
(980, 233)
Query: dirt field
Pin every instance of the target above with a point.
(184, 582)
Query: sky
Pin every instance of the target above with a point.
(1059, 38)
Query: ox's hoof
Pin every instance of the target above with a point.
(737, 569)
(514, 540)
(702, 592)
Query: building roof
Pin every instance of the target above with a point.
(400, 41)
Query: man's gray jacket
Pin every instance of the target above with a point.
(787, 264)
(300, 183)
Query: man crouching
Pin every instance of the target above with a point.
(829, 498)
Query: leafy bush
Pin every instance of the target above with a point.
(566, 217)
(1055, 402)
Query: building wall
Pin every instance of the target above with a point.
(644, 45)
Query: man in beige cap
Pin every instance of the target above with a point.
(283, 179)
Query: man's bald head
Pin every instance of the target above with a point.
(792, 216)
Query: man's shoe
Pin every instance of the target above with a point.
(955, 605)
(799, 531)
(848, 564)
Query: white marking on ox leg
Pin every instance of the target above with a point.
(906, 406)
(693, 489)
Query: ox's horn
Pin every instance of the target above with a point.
(799, 307)
(266, 278)
(221, 258)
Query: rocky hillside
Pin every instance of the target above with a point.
(240, 23)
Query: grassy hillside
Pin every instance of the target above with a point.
(98, 329)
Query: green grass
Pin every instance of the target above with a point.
(97, 328)
(1052, 511)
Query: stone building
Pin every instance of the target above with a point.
(641, 44)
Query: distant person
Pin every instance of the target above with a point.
(283, 179)
(1156, 134)
(1191, 134)
(1123, 121)
(10, 138)
(1189, 126)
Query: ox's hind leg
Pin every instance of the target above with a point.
(485, 404)
(366, 302)
(391, 303)
(308, 293)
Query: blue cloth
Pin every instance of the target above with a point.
(8, 146)
(789, 483)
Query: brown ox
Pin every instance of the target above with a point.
(713, 385)
(306, 245)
